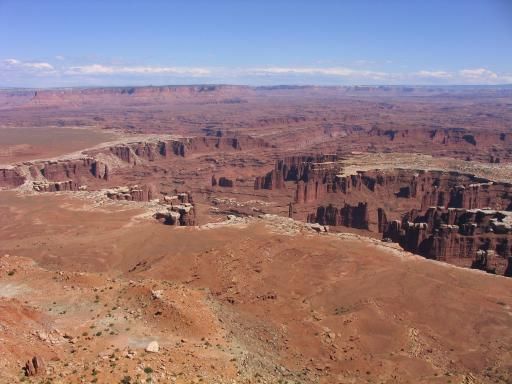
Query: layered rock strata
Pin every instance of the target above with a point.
(477, 238)
(132, 193)
(177, 210)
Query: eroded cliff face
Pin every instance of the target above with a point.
(136, 152)
(223, 182)
(132, 193)
(55, 175)
(70, 169)
(161, 149)
(466, 227)
(476, 238)
(316, 179)
(55, 186)
(95, 165)
(443, 136)
(178, 210)
(10, 178)
(347, 215)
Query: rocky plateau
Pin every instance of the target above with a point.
(235, 234)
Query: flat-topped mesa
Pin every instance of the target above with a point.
(321, 178)
(74, 169)
(134, 95)
(66, 175)
(147, 150)
(476, 238)
(88, 166)
(182, 147)
(473, 143)
(177, 210)
(72, 172)
(131, 193)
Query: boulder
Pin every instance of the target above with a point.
(153, 347)
(317, 227)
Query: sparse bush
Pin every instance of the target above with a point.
(148, 370)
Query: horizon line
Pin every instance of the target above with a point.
(480, 85)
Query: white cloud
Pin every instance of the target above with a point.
(34, 65)
(99, 69)
(27, 72)
(434, 74)
(11, 62)
(321, 71)
(472, 76)
(478, 74)
(44, 66)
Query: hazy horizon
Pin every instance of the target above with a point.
(291, 86)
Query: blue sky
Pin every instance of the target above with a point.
(72, 43)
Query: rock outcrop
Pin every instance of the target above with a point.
(476, 238)
(55, 175)
(466, 228)
(155, 150)
(55, 186)
(89, 166)
(74, 169)
(153, 347)
(10, 178)
(35, 366)
(133, 153)
(348, 216)
(222, 182)
(177, 210)
(314, 178)
(132, 193)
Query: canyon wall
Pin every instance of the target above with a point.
(467, 219)
(80, 170)
(73, 173)
(70, 169)
(347, 215)
(10, 178)
(475, 238)
(316, 179)
(158, 150)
